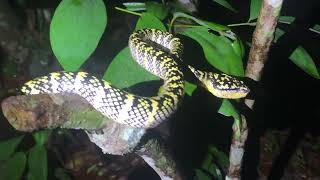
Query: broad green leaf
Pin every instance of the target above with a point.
(124, 72)
(215, 171)
(315, 28)
(75, 31)
(148, 20)
(37, 161)
(41, 137)
(207, 24)
(209, 165)
(302, 59)
(61, 174)
(8, 147)
(227, 109)
(13, 168)
(238, 47)
(200, 175)
(189, 87)
(286, 19)
(218, 50)
(278, 34)
(135, 6)
(157, 9)
(255, 7)
(225, 4)
(221, 158)
(208, 160)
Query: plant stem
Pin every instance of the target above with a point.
(127, 11)
(242, 24)
(261, 41)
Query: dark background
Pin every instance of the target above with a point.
(287, 97)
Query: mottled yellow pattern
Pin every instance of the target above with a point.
(130, 109)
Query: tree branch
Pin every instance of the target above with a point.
(258, 55)
(33, 112)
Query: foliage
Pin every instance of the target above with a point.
(303, 60)
(213, 165)
(14, 163)
(223, 49)
(75, 31)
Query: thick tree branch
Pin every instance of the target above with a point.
(33, 112)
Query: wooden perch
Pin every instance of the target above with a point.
(33, 112)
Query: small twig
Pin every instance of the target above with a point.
(242, 24)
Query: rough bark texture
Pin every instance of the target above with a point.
(239, 137)
(157, 157)
(30, 113)
(33, 112)
(262, 38)
(261, 41)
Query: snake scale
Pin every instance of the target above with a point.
(130, 109)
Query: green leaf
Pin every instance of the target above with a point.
(255, 7)
(41, 137)
(278, 34)
(286, 19)
(14, 167)
(200, 175)
(215, 171)
(61, 174)
(148, 20)
(210, 25)
(75, 31)
(37, 161)
(158, 10)
(218, 50)
(135, 6)
(302, 59)
(227, 109)
(220, 156)
(208, 160)
(315, 28)
(238, 47)
(189, 87)
(124, 72)
(8, 147)
(225, 4)
(209, 165)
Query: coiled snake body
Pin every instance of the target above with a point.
(130, 109)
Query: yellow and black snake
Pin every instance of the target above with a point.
(130, 109)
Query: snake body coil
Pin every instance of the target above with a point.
(130, 109)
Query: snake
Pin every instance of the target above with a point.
(158, 52)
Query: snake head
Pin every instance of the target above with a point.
(222, 85)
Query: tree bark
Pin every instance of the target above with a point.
(258, 55)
